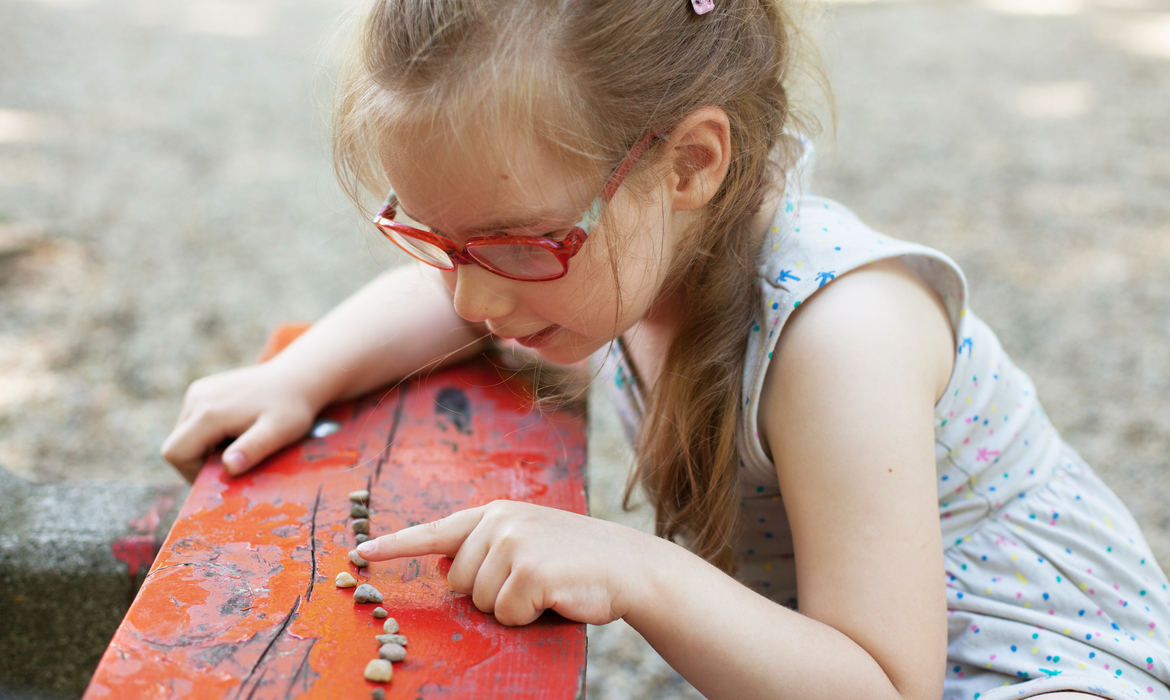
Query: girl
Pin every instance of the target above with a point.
(815, 409)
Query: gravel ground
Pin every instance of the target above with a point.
(165, 199)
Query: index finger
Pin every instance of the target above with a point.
(443, 536)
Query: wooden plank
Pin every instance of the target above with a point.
(240, 603)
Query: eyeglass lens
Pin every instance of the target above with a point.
(527, 261)
(426, 252)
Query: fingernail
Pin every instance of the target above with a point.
(235, 462)
(368, 547)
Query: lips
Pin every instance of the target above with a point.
(539, 339)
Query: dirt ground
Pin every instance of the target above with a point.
(166, 198)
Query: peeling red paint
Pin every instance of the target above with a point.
(138, 551)
(226, 610)
(135, 551)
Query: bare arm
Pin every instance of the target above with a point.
(399, 324)
(848, 414)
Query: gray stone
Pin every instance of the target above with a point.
(362, 537)
(391, 639)
(357, 559)
(380, 613)
(390, 626)
(392, 652)
(378, 694)
(361, 526)
(359, 511)
(71, 552)
(362, 496)
(366, 593)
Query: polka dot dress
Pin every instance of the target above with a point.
(1050, 584)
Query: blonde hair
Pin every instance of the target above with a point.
(587, 79)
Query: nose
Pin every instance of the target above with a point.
(480, 295)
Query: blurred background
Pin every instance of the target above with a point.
(166, 199)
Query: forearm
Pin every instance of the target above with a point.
(730, 642)
(397, 325)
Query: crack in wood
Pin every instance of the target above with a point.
(313, 548)
(403, 388)
(292, 615)
(303, 676)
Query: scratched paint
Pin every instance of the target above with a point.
(240, 602)
(138, 549)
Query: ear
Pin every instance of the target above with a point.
(698, 155)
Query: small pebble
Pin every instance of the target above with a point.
(357, 559)
(380, 613)
(378, 694)
(362, 496)
(366, 593)
(362, 537)
(390, 626)
(359, 511)
(361, 526)
(391, 639)
(379, 671)
(392, 652)
(345, 580)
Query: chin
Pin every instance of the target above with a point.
(561, 356)
(567, 354)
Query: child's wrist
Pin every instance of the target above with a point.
(664, 585)
(314, 387)
(650, 577)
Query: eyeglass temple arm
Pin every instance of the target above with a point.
(623, 169)
(389, 207)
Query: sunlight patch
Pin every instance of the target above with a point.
(1060, 100)
(1036, 7)
(228, 19)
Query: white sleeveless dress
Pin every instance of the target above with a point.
(1050, 583)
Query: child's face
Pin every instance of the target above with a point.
(567, 319)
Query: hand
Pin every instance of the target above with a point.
(517, 560)
(259, 404)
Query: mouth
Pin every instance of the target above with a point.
(539, 339)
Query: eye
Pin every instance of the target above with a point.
(559, 235)
(551, 235)
(436, 232)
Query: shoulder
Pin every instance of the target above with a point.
(878, 328)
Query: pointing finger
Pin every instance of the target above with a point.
(443, 536)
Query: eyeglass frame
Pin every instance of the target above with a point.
(563, 250)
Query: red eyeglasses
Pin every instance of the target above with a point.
(525, 258)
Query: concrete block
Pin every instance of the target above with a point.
(72, 557)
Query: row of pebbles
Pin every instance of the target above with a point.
(360, 512)
(392, 645)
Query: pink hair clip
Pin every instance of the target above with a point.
(702, 7)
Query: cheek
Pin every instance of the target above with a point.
(642, 259)
(612, 272)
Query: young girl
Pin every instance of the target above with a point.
(815, 409)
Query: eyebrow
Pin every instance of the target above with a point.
(528, 222)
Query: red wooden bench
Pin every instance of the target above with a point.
(240, 603)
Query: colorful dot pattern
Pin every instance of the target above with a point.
(1050, 583)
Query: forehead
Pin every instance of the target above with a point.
(459, 182)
